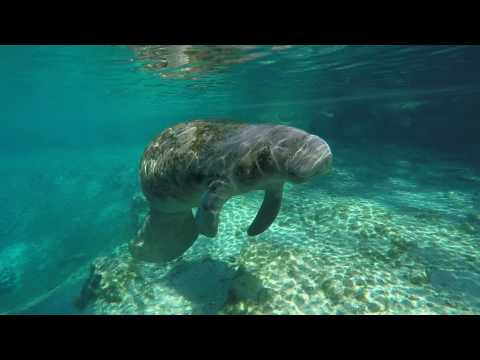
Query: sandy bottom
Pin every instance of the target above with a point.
(388, 231)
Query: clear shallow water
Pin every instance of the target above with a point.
(393, 229)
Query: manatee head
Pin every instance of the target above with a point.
(300, 155)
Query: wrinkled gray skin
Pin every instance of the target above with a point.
(203, 164)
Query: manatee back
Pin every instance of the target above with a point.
(180, 158)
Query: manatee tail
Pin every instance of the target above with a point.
(164, 237)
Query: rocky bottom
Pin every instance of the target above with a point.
(379, 240)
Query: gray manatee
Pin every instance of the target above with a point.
(201, 164)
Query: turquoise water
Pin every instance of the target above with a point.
(392, 229)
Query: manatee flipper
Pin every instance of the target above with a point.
(268, 211)
(210, 206)
(164, 236)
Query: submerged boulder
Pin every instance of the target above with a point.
(119, 284)
(102, 284)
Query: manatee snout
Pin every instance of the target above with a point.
(312, 158)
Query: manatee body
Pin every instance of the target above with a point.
(201, 164)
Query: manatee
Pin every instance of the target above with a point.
(201, 164)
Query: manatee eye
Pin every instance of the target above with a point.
(240, 171)
(291, 174)
(265, 161)
(198, 177)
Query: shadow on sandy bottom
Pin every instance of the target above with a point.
(205, 283)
